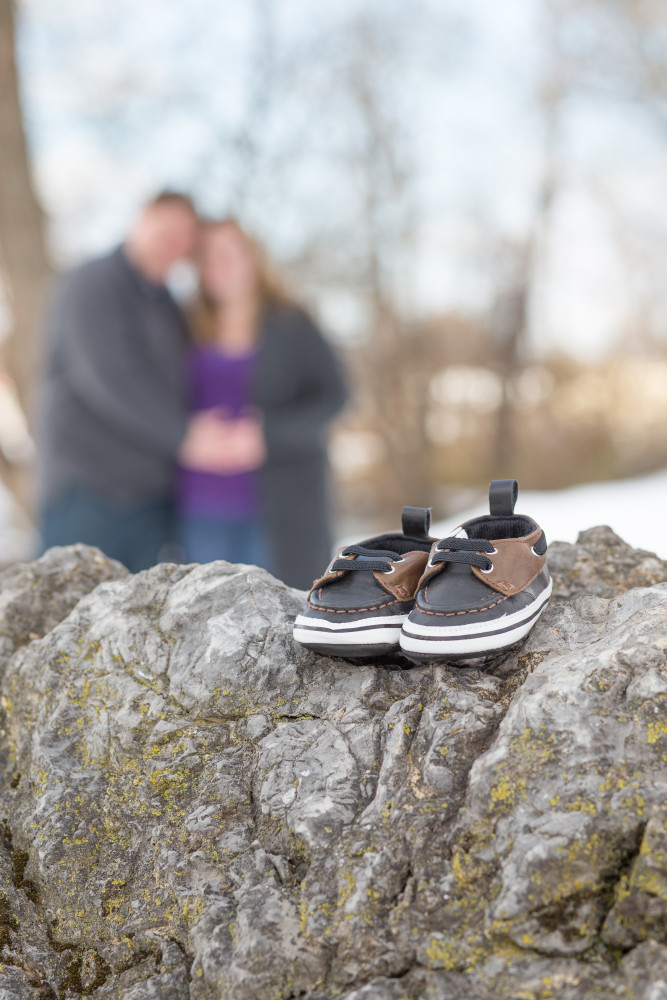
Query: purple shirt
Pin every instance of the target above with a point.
(219, 380)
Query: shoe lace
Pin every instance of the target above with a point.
(463, 550)
(378, 559)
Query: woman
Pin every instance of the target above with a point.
(263, 363)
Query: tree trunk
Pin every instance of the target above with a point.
(23, 253)
(512, 313)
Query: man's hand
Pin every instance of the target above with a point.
(216, 444)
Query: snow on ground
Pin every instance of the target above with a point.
(634, 508)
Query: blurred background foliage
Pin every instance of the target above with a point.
(471, 197)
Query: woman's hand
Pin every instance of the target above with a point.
(246, 443)
(203, 443)
(216, 444)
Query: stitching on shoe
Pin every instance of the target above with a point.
(452, 614)
(352, 611)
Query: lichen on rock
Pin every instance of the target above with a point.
(194, 807)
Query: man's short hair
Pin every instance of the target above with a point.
(168, 197)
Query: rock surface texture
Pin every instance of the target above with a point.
(195, 808)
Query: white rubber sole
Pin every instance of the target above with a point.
(476, 639)
(367, 632)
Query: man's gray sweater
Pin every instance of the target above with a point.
(114, 407)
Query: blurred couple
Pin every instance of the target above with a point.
(206, 430)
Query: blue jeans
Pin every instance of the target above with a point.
(135, 533)
(205, 538)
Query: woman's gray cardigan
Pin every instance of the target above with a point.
(299, 388)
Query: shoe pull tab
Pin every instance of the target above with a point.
(416, 521)
(503, 495)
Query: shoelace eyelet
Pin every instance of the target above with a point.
(392, 568)
(439, 548)
(341, 555)
(491, 553)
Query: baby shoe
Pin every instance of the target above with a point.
(358, 607)
(483, 588)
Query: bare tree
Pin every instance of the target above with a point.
(23, 252)
(627, 61)
(395, 382)
(367, 253)
(519, 261)
(624, 69)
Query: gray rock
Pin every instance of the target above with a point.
(645, 972)
(195, 808)
(36, 596)
(17, 984)
(602, 565)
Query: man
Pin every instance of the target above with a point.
(115, 416)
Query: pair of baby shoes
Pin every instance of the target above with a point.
(469, 597)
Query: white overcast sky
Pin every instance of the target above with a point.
(474, 128)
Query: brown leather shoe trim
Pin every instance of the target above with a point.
(402, 583)
(429, 571)
(328, 576)
(515, 565)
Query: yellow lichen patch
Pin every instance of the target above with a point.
(613, 782)
(582, 805)
(655, 731)
(635, 803)
(442, 954)
(470, 872)
(581, 870)
(192, 910)
(303, 918)
(346, 891)
(507, 790)
(653, 883)
(386, 812)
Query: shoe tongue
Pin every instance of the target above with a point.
(456, 570)
(461, 576)
(456, 582)
(353, 590)
(367, 553)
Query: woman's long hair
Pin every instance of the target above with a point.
(271, 290)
